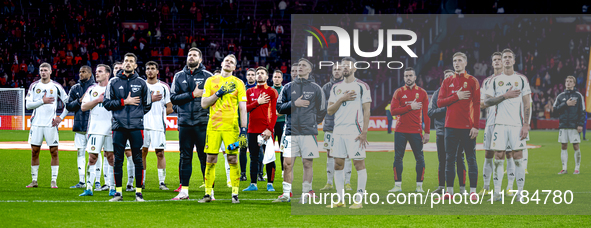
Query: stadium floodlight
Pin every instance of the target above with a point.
(12, 109)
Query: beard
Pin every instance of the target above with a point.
(193, 64)
(128, 72)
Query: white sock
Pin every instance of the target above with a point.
(106, 171)
(499, 173)
(419, 184)
(525, 156)
(564, 158)
(348, 169)
(398, 184)
(520, 175)
(339, 182)
(161, 175)
(450, 190)
(361, 182)
(111, 178)
(34, 172)
(186, 191)
(81, 160)
(510, 172)
(577, 159)
(472, 190)
(462, 189)
(99, 168)
(329, 170)
(130, 171)
(487, 172)
(54, 171)
(227, 166)
(286, 189)
(306, 187)
(91, 177)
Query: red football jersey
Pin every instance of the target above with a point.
(410, 121)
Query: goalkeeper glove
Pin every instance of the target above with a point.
(226, 88)
(242, 138)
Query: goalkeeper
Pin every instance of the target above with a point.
(223, 94)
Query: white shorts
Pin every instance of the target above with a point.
(345, 146)
(157, 139)
(507, 138)
(569, 136)
(80, 140)
(127, 145)
(96, 143)
(488, 132)
(37, 133)
(327, 140)
(305, 146)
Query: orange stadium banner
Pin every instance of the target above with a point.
(588, 92)
(376, 123)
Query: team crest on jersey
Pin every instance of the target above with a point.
(51, 91)
(339, 91)
(92, 148)
(516, 84)
(157, 92)
(465, 84)
(38, 91)
(95, 94)
(416, 95)
(501, 83)
(325, 144)
(135, 89)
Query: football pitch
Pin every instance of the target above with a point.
(44, 206)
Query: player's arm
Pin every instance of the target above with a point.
(321, 104)
(442, 100)
(333, 103)
(581, 119)
(476, 105)
(435, 112)
(272, 110)
(395, 107)
(87, 104)
(63, 96)
(111, 102)
(30, 103)
(167, 100)
(209, 97)
(527, 112)
(559, 105)
(426, 118)
(363, 136)
(250, 104)
(178, 97)
(243, 114)
(283, 104)
(74, 102)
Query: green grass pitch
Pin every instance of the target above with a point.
(20, 206)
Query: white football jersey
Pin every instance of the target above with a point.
(99, 122)
(44, 114)
(154, 120)
(349, 118)
(509, 112)
(490, 111)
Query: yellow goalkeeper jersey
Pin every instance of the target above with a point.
(223, 114)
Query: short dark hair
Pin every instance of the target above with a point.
(117, 63)
(107, 67)
(129, 54)
(278, 71)
(263, 69)
(251, 69)
(152, 63)
(86, 67)
(294, 65)
(350, 59)
(46, 65)
(197, 50)
(410, 69)
(496, 53)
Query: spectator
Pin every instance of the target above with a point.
(282, 6)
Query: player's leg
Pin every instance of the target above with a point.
(226, 166)
(110, 161)
(254, 149)
(361, 182)
(329, 161)
(130, 167)
(119, 141)
(309, 143)
(136, 140)
(452, 138)
(469, 146)
(339, 178)
(400, 140)
(93, 156)
(98, 170)
(260, 164)
(439, 141)
(563, 139)
(416, 144)
(52, 139)
(161, 165)
(106, 171)
(186, 144)
(489, 154)
(270, 168)
(277, 134)
(243, 162)
(525, 158)
(145, 149)
(461, 169)
(288, 162)
(201, 133)
(212, 145)
(577, 157)
(510, 171)
(227, 138)
(80, 144)
(348, 171)
(519, 171)
(35, 139)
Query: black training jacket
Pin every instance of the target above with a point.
(74, 104)
(188, 108)
(127, 117)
